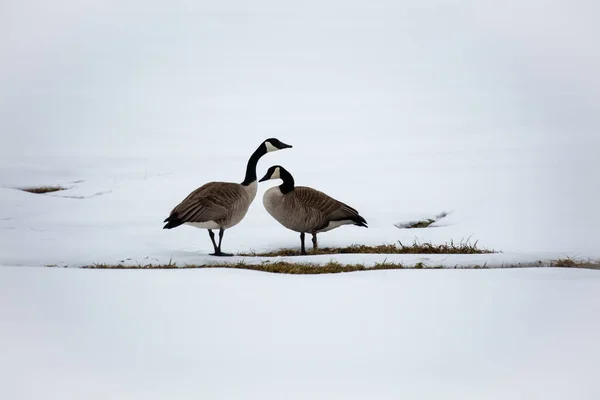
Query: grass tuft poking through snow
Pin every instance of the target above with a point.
(570, 263)
(423, 223)
(464, 247)
(420, 224)
(43, 189)
(279, 267)
(334, 267)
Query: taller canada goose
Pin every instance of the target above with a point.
(221, 205)
(305, 210)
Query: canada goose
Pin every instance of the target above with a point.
(221, 205)
(305, 210)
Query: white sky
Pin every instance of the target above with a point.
(139, 77)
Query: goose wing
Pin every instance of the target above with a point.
(328, 208)
(210, 202)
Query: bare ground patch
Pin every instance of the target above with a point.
(279, 267)
(571, 263)
(334, 267)
(463, 247)
(422, 223)
(43, 189)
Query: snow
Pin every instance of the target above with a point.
(486, 112)
(214, 334)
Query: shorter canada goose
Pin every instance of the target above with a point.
(305, 210)
(221, 205)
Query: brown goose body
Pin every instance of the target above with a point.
(216, 205)
(306, 210)
(221, 205)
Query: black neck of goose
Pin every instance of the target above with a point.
(252, 162)
(288, 181)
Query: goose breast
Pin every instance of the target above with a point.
(292, 210)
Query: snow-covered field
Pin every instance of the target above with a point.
(487, 111)
(225, 334)
(510, 200)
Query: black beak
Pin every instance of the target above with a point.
(265, 178)
(285, 146)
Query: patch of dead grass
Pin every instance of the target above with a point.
(334, 267)
(420, 224)
(423, 223)
(464, 247)
(43, 189)
(278, 267)
(570, 263)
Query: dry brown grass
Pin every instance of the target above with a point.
(278, 267)
(333, 267)
(464, 247)
(570, 263)
(43, 189)
(423, 223)
(420, 224)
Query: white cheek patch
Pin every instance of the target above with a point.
(276, 174)
(270, 147)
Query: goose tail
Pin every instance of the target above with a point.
(360, 221)
(172, 221)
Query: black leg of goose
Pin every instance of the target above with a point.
(302, 248)
(314, 240)
(219, 252)
(212, 238)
